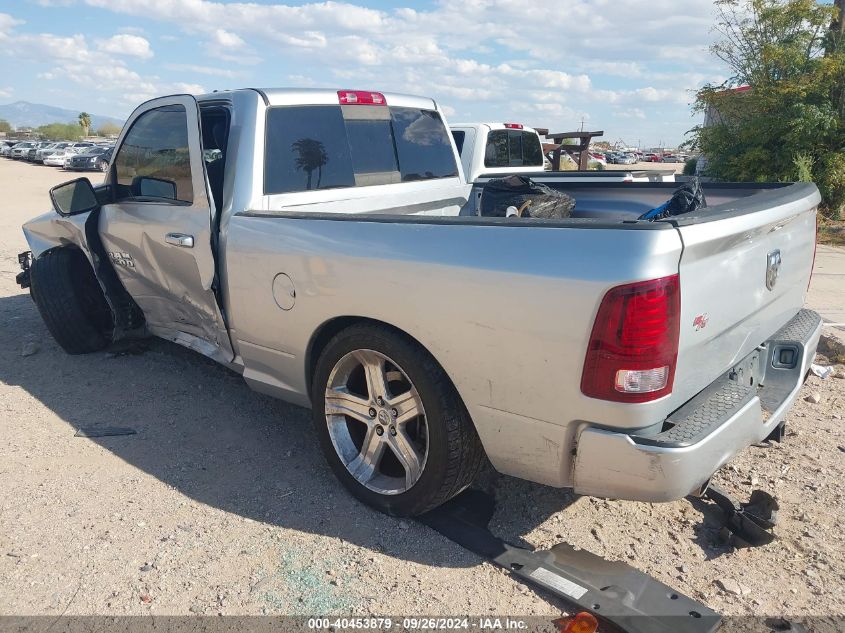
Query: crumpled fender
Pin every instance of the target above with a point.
(51, 230)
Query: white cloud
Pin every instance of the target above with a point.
(55, 48)
(188, 88)
(631, 113)
(7, 24)
(620, 60)
(102, 71)
(202, 70)
(126, 44)
(652, 94)
(6, 92)
(227, 40)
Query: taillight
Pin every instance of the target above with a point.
(513, 126)
(360, 97)
(634, 343)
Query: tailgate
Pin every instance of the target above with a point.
(744, 272)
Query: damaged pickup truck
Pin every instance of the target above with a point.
(313, 241)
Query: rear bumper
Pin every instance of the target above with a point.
(705, 433)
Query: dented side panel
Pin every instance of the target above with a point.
(173, 284)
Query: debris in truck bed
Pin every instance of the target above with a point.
(530, 199)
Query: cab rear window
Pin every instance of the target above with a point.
(513, 148)
(323, 147)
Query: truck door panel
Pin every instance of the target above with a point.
(158, 230)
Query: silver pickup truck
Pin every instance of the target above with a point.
(313, 241)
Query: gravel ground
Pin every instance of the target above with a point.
(221, 502)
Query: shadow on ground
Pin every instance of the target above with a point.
(201, 430)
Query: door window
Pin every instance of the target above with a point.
(154, 161)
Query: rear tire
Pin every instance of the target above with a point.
(70, 301)
(445, 453)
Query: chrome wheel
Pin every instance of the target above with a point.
(376, 422)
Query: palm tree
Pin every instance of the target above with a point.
(312, 155)
(85, 122)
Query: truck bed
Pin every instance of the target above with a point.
(626, 201)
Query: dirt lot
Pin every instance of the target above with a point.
(222, 503)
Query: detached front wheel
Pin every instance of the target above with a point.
(390, 422)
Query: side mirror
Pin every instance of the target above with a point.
(74, 197)
(149, 187)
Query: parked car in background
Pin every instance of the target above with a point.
(6, 147)
(42, 153)
(93, 158)
(39, 151)
(20, 150)
(32, 154)
(104, 160)
(599, 158)
(621, 158)
(57, 157)
(652, 158)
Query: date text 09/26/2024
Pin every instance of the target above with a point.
(423, 624)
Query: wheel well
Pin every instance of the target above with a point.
(320, 339)
(328, 329)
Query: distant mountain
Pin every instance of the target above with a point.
(24, 114)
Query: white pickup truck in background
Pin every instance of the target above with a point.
(496, 150)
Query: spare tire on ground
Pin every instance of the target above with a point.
(530, 199)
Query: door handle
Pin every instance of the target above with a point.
(180, 239)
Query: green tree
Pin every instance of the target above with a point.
(61, 132)
(5, 126)
(791, 54)
(85, 122)
(108, 129)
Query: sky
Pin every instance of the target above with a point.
(627, 67)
